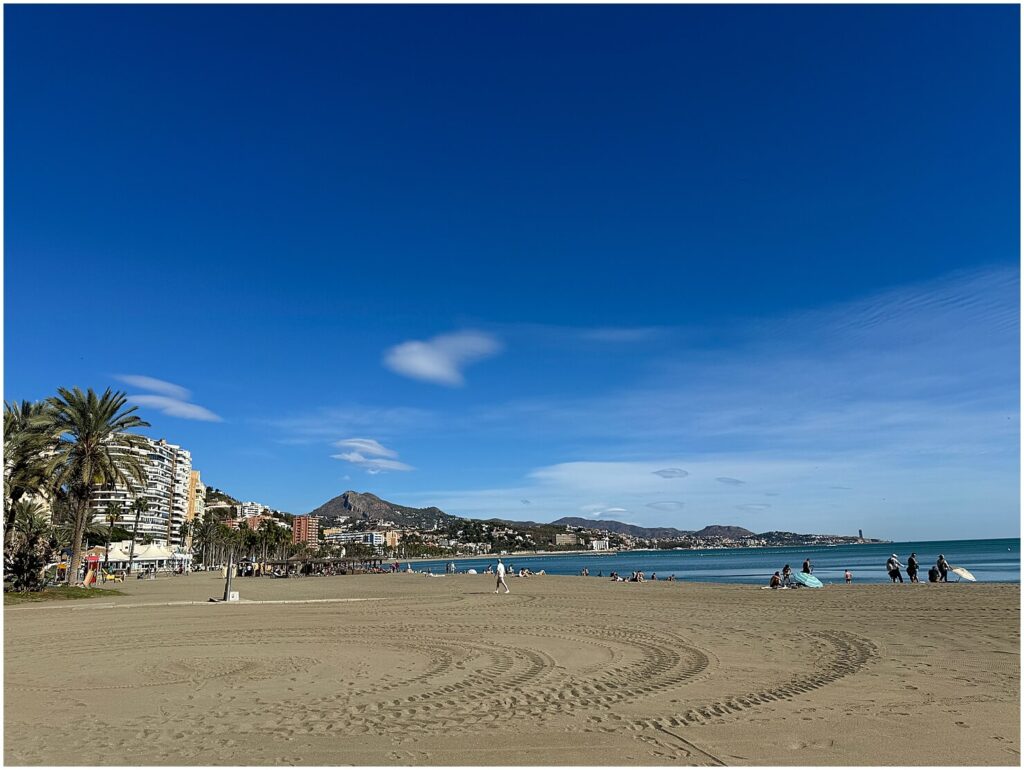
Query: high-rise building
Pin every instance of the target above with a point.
(305, 529)
(168, 474)
(196, 503)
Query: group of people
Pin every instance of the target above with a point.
(937, 573)
(785, 578)
(638, 577)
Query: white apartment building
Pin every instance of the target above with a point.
(599, 545)
(252, 509)
(369, 538)
(168, 476)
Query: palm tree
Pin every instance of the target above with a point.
(26, 440)
(112, 517)
(140, 506)
(92, 449)
(206, 536)
(31, 546)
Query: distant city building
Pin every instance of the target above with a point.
(368, 538)
(251, 522)
(168, 476)
(599, 545)
(566, 539)
(305, 529)
(251, 509)
(392, 538)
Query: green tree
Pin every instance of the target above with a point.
(30, 547)
(92, 448)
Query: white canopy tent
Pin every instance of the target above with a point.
(151, 556)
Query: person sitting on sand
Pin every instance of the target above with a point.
(933, 574)
(654, 576)
(776, 580)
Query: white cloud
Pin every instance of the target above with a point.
(727, 480)
(169, 399)
(441, 359)
(366, 446)
(153, 385)
(370, 455)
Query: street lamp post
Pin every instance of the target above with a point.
(227, 579)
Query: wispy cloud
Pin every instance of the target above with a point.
(728, 480)
(367, 446)
(671, 473)
(323, 424)
(153, 385)
(370, 455)
(908, 397)
(611, 334)
(167, 398)
(441, 359)
(175, 408)
(666, 505)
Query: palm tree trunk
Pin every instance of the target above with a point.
(81, 511)
(131, 548)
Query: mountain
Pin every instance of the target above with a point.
(368, 507)
(662, 533)
(718, 530)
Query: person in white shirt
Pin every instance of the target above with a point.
(501, 578)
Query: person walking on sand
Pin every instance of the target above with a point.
(893, 567)
(912, 567)
(501, 577)
(943, 567)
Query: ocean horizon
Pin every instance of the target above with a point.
(994, 560)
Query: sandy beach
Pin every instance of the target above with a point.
(415, 670)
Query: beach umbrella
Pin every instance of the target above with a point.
(961, 572)
(807, 579)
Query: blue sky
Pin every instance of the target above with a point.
(668, 265)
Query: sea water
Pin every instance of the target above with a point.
(990, 561)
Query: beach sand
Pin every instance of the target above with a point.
(564, 670)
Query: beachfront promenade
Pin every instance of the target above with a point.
(410, 669)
